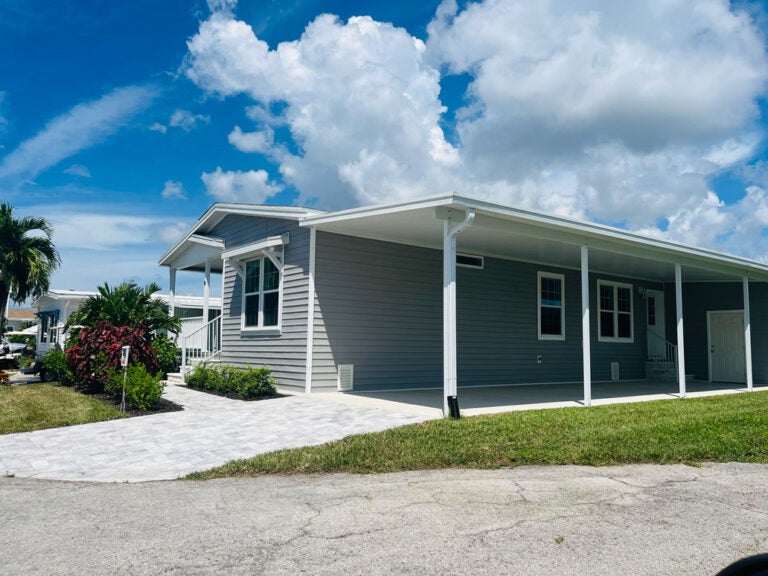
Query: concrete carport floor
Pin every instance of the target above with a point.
(495, 399)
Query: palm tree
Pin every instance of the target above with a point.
(27, 258)
(125, 305)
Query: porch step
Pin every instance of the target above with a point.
(663, 372)
(174, 379)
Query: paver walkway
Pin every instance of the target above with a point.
(210, 431)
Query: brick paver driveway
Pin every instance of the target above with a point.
(210, 431)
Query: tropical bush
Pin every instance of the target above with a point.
(126, 304)
(244, 383)
(97, 353)
(53, 366)
(167, 354)
(142, 389)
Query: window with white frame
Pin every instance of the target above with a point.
(616, 322)
(551, 302)
(261, 294)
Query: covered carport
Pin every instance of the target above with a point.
(455, 224)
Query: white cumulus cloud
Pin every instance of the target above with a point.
(157, 127)
(619, 112)
(357, 93)
(185, 120)
(252, 186)
(260, 141)
(173, 190)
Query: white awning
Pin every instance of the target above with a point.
(272, 247)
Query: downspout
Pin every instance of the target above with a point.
(450, 368)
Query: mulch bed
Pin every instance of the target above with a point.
(162, 406)
(233, 396)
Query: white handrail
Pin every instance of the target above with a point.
(201, 345)
(661, 350)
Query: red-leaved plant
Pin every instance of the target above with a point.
(97, 352)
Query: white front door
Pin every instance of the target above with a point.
(657, 335)
(726, 346)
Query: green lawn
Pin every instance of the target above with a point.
(36, 406)
(719, 429)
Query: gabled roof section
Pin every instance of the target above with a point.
(218, 211)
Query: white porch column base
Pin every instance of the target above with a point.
(747, 335)
(585, 335)
(680, 339)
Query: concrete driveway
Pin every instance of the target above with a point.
(648, 520)
(210, 431)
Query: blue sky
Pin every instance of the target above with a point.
(122, 122)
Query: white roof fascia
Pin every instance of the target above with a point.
(651, 246)
(242, 252)
(613, 234)
(218, 211)
(211, 241)
(378, 210)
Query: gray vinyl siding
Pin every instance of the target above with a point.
(379, 307)
(698, 299)
(284, 353)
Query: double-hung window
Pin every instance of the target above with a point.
(551, 304)
(261, 296)
(615, 309)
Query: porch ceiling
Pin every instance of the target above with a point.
(518, 237)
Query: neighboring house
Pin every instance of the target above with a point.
(16, 319)
(55, 306)
(450, 291)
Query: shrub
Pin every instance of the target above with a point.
(97, 353)
(167, 354)
(27, 339)
(142, 389)
(245, 383)
(53, 366)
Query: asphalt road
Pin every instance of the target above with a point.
(639, 520)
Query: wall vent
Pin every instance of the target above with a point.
(469, 261)
(346, 381)
(615, 371)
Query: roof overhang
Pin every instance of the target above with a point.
(526, 235)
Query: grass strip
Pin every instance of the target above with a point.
(37, 406)
(713, 429)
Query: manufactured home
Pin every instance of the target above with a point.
(452, 292)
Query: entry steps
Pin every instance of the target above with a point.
(657, 371)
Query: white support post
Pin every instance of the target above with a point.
(680, 339)
(172, 292)
(310, 310)
(221, 312)
(450, 366)
(449, 314)
(585, 336)
(206, 291)
(207, 305)
(747, 334)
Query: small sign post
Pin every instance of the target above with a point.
(126, 350)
